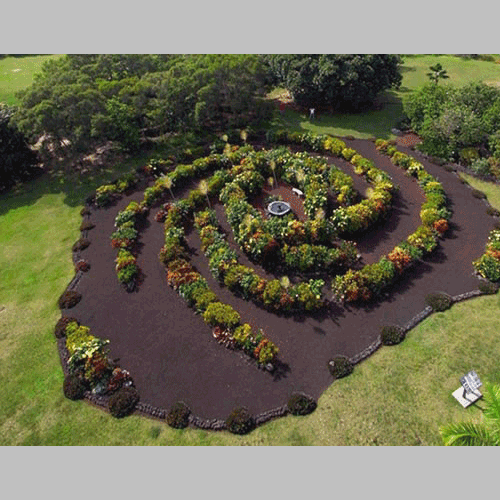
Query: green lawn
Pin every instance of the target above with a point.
(399, 396)
(16, 73)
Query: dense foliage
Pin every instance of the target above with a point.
(94, 98)
(18, 160)
(457, 123)
(342, 81)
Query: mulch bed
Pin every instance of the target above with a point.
(171, 353)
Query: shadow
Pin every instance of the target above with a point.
(280, 371)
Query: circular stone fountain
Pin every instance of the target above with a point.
(278, 208)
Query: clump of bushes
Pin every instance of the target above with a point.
(86, 225)
(478, 194)
(123, 402)
(493, 212)
(240, 421)
(301, 404)
(82, 265)
(391, 334)
(178, 416)
(69, 299)
(74, 387)
(81, 244)
(340, 366)
(488, 288)
(439, 301)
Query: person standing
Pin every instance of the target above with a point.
(311, 114)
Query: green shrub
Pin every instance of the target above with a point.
(81, 244)
(69, 299)
(86, 225)
(439, 301)
(391, 334)
(488, 288)
(478, 194)
(178, 416)
(301, 404)
(488, 267)
(74, 387)
(218, 314)
(240, 421)
(340, 366)
(123, 402)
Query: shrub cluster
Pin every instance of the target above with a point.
(340, 366)
(301, 404)
(178, 415)
(69, 299)
(81, 244)
(488, 288)
(439, 301)
(391, 334)
(109, 192)
(74, 387)
(240, 421)
(123, 402)
(88, 360)
(488, 265)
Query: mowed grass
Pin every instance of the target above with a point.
(16, 73)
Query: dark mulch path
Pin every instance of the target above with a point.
(171, 353)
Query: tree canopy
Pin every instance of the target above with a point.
(450, 118)
(348, 82)
(18, 160)
(93, 98)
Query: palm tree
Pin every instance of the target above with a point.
(485, 433)
(437, 73)
(203, 187)
(272, 164)
(168, 183)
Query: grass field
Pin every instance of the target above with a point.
(398, 397)
(16, 73)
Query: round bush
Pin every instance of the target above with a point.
(488, 288)
(340, 366)
(82, 265)
(391, 334)
(60, 329)
(478, 194)
(86, 225)
(123, 402)
(439, 301)
(69, 299)
(301, 404)
(84, 211)
(74, 388)
(81, 244)
(240, 421)
(178, 416)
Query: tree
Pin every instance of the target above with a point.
(485, 433)
(343, 81)
(18, 161)
(437, 73)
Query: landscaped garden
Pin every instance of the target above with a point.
(190, 304)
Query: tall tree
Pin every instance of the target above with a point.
(342, 81)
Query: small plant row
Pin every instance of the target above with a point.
(108, 193)
(369, 282)
(224, 320)
(223, 262)
(488, 265)
(91, 370)
(124, 238)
